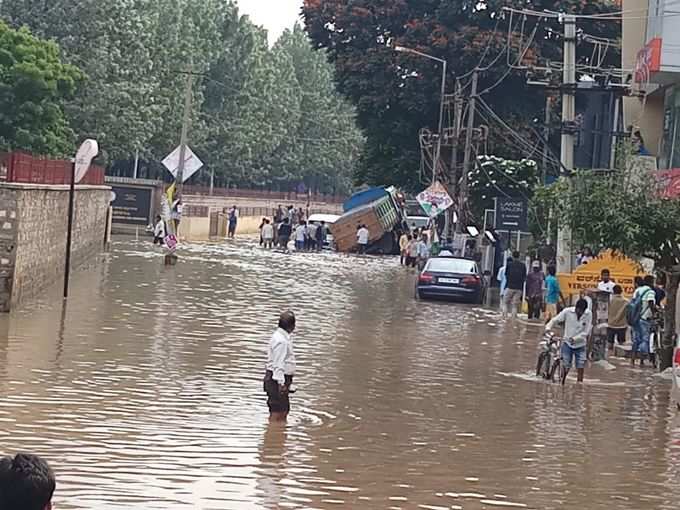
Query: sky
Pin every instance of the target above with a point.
(274, 15)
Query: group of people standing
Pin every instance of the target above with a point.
(638, 317)
(292, 223)
(415, 248)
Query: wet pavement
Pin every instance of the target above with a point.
(145, 392)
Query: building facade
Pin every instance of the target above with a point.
(651, 51)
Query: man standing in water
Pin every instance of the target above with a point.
(280, 368)
(578, 322)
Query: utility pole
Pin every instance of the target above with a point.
(440, 132)
(136, 169)
(463, 194)
(186, 119)
(564, 239)
(453, 168)
(546, 137)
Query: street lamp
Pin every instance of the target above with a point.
(402, 49)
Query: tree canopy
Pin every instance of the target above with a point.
(626, 213)
(34, 85)
(397, 94)
(262, 116)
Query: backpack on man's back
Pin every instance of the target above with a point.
(634, 308)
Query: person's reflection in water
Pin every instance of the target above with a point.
(272, 464)
(280, 368)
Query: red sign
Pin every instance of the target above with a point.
(648, 61)
(669, 182)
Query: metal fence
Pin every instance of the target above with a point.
(283, 196)
(19, 167)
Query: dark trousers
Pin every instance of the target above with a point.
(535, 304)
(616, 334)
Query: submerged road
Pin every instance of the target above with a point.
(145, 392)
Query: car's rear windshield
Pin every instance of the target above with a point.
(446, 265)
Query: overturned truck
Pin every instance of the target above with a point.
(382, 211)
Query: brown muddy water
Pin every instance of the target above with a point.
(146, 393)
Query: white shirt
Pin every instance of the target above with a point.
(412, 249)
(300, 232)
(423, 250)
(267, 231)
(606, 286)
(576, 330)
(311, 230)
(159, 229)
(362, 235)
(280, 357)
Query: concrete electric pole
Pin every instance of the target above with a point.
(564, 248)
(463, 194)
(186, 120)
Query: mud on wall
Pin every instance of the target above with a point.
(33, 224)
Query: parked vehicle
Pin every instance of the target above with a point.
(675, 392)
(415, 215)
(329, 220)
(383, 217)
(451, 278)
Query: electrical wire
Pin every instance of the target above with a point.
(523, 146)
(596, 17)
(519, 140)
(520, 57)
(486, 49)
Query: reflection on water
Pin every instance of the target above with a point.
(145, 392)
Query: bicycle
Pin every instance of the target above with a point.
(549, 357)
(655, 336)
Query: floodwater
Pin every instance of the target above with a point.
(146, 393)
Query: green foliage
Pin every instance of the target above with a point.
(615, 212)
(628, 215)
(34, 84)
(262, 117)
(397, 94)
(498, 177)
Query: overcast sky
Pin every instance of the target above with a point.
(274, 15)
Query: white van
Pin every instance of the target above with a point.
(328, 219)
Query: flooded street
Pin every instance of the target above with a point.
(146, 392)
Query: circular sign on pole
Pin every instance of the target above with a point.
(86, 153)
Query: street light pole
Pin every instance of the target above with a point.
(440, 131)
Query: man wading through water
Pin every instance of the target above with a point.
(280, 368)
(578, 323)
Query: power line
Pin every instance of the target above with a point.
(518, 138)
(520, 57)
(596, 17)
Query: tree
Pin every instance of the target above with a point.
(261, 116)
(132, 89)
(327, 142)
(398, 94)
(629, 216)
(494, 176)
(34, 85)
